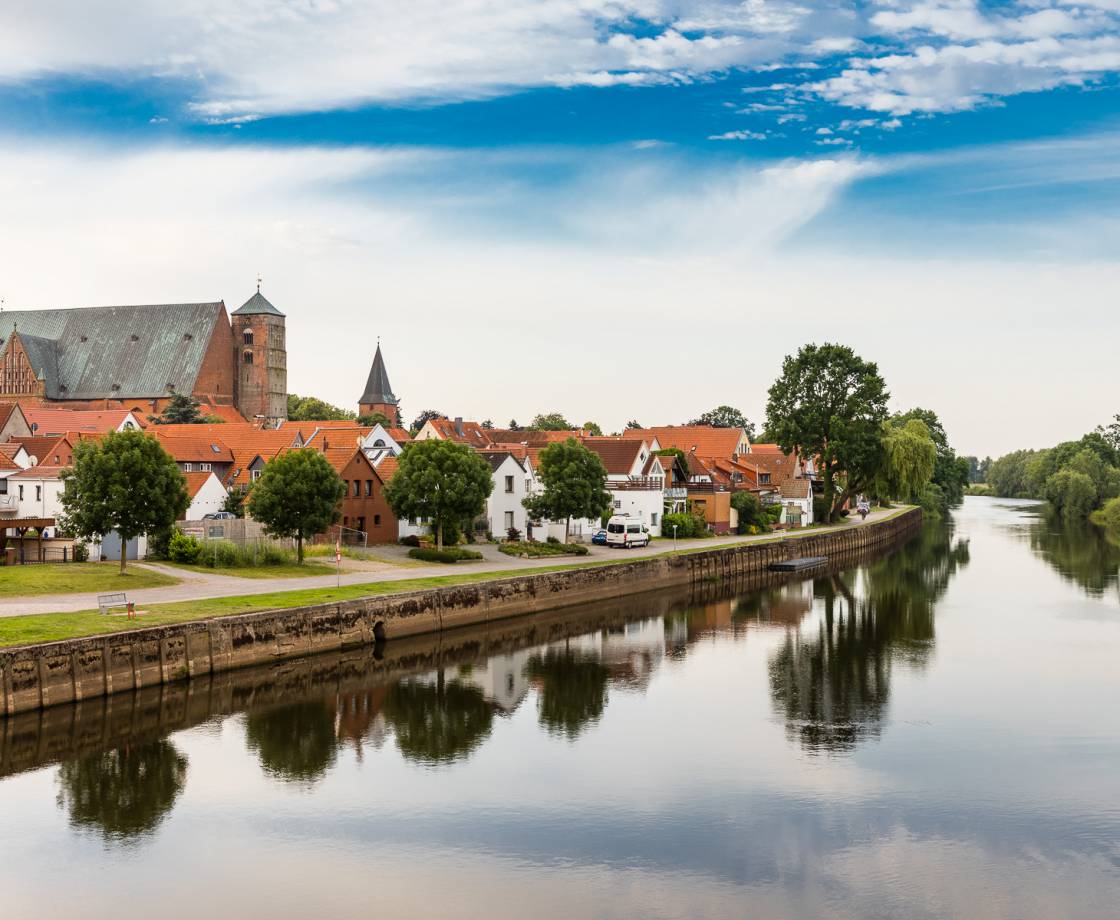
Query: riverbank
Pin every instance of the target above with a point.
(37, 676)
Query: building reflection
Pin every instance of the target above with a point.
(123, 794)
(830, 680)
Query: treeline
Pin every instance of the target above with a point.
(1077, 478)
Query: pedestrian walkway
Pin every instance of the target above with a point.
(201, 585)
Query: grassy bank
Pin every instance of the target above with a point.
(51, 627)
(77, 578)
(307, 570)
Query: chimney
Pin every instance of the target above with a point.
(459, 425)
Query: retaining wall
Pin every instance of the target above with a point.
(33, 677)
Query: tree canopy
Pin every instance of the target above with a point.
(441, 481)
(725, 417)
(633, 423)
(593, 429)
(909, 455)
(950, 473)
(830, 403)
(573, 478)
(550, 421)
(311, 409)
(127, 483)
(297, 496)
(181, 409)
(424, 417)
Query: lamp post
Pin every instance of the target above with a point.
(674, 538)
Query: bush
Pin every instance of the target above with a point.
(537, 550)
(81, 552)
(410, 540)
(1108, 516)
(820, 508)
(448, 554)
(513, 535)
(183, 549)
(158, 541)
(552, 540)
(932, 499)
(749, 509)
(685, 524)
(773, 512)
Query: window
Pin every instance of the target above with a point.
(509, 483)
(21, 492)
(247, 358)
(3, 486)
(247, 335)
(254, 475)
(188, 467)
(617, 504)
(377, 520)
(653, 519)
(206, 467)
(763, 478)
(357, 488)
(38, 493)
(509, 520)
(528, 485)
(369, 488)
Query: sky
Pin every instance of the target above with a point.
(615, 209)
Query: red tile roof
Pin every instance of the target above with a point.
(472, 432)
(619, 455)
(43, 471)
(185, 449)
(195, 481)
(6, 463)
(45, 449)
(58, 421)
(387, 468)
(703, 439)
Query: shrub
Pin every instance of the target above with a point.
(219, 554)
(774, 512)
(158, 541)
(537, 550)
(448, 554)
(820, 508)
(685, 524)
(81, 552)
(183, 549)
(749, 509)
(552, 539)
(410, 540)
(1108, 516)
(513, 535)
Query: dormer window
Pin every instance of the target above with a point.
(247, 335)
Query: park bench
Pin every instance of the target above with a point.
(107, 601)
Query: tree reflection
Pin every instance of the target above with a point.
(833, 686)
(573, 690)
(1080, 552)
(124, 793)
(438, 723)
(295, 743)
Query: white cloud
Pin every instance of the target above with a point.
(738, 136)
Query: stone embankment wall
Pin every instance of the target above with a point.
(39, 676)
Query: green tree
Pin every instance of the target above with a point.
(123, 793)
(573, 478)
(376, 418)
(127, 483)
(1071, 493)
(297, 496)
(437, 724)
(181, 409)
(550, 421)
(950, 472)
(235, 501)
(513, 426)
(725, 417)
(443, 481)
(1110, 433)
(633, 423)
(1008, 474)
(424, 417)
(909, 455)
(749, 509)
(679, 454)
(593, 429)
(310, 409)
(831, 404)
(486, 425)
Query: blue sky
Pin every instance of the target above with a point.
(935, 183)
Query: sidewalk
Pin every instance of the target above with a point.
(202, 585)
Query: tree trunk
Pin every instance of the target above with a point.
(567, 527)
(827, 490)
(299, 547)
(124, 553)
(439, 535)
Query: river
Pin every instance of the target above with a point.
(931, 734)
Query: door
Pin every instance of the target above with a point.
(111, 547)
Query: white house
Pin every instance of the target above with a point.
(37, 491)
(797, 502)
(635, 478)
(207, 495)
(513, 483)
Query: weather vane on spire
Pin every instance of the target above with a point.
(258, 282)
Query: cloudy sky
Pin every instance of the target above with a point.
(610, 208)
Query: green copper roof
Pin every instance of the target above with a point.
(258, 303)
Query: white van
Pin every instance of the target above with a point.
(623, 531)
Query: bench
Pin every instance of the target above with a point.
(107, 601)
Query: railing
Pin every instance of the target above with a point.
(676, 492)
(636, 484)
(707, 487)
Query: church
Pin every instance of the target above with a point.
(138, 357)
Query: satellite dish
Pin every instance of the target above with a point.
(34, 427)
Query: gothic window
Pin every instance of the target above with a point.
(247, 335)
(247, 358)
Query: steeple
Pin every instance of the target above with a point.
(378, 397)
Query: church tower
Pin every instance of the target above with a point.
(261, 359)
(378, 397)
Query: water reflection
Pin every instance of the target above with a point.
(295, 743)
(438, 721)
(831, 683)
(124, 793)
(1080, 552)
(572, 689)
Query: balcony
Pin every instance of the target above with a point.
(9, 505)
(635, 484)
(676, 492)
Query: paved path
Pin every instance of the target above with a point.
(199, 585)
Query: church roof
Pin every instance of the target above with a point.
(115, 352)
(378, 389)
(258, 303)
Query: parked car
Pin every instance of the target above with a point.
(599, 538)
(219, 516)
(626, 532)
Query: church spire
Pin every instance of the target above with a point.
(378, 397)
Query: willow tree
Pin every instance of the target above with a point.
(909, 456)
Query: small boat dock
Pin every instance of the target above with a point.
(798, 565)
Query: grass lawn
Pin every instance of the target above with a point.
(306, 570)
(51, 627)
(77, 577)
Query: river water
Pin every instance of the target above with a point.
(931, 734)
